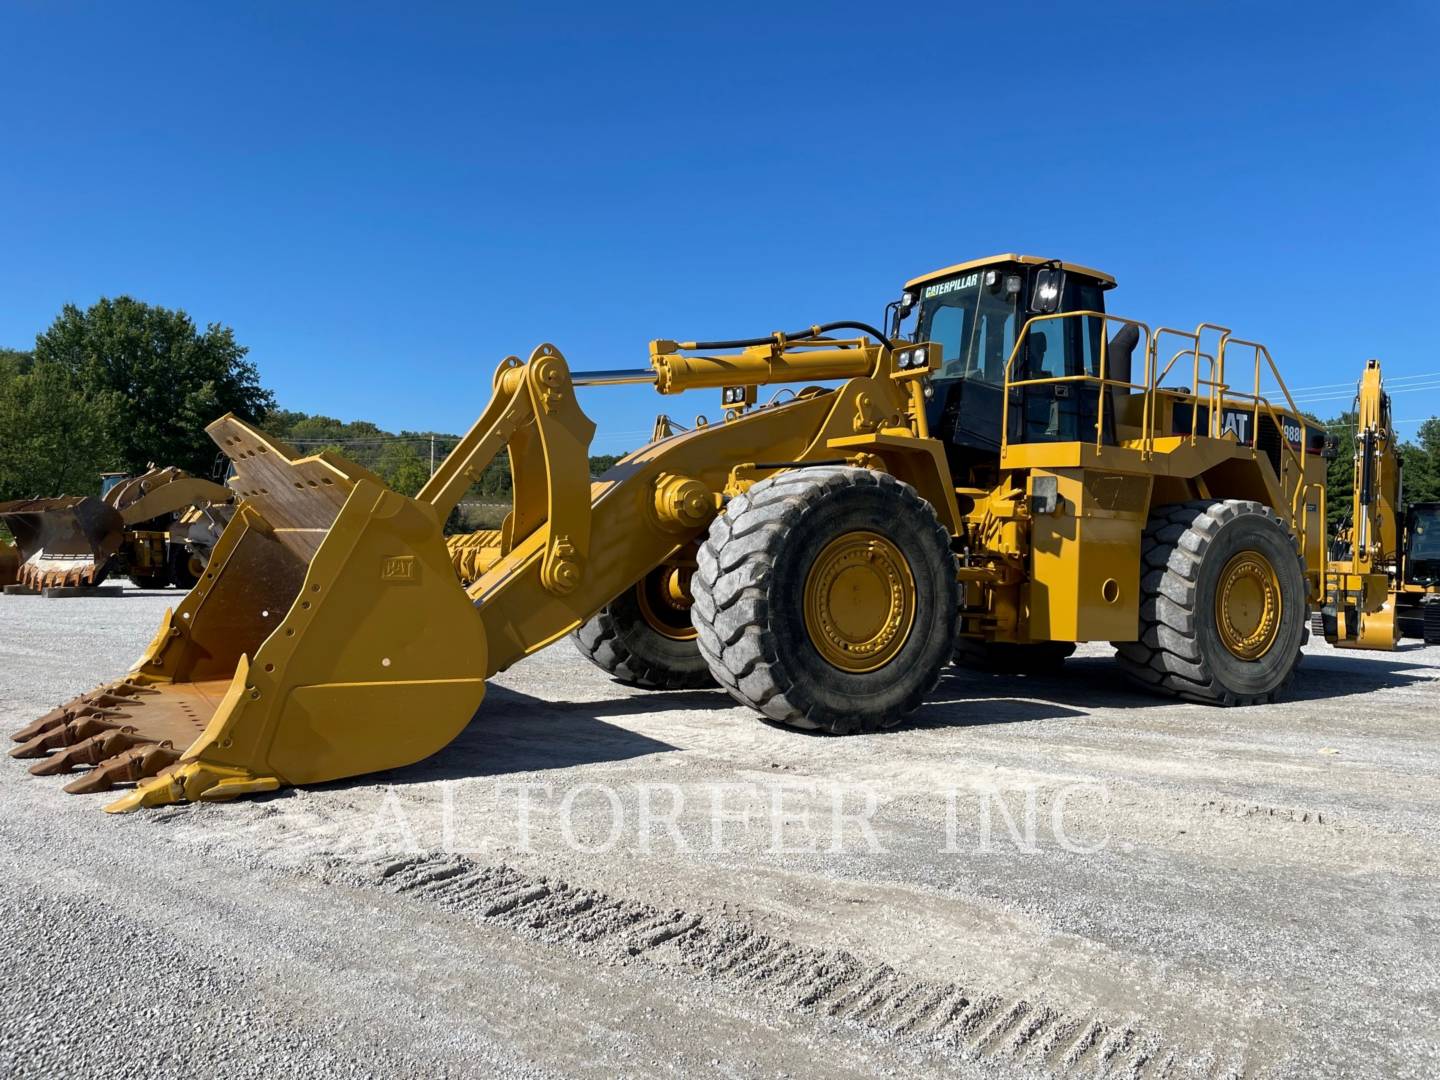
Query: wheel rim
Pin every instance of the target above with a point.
(195, 565)
(1248, 605)
(859, 601)
(664, 599)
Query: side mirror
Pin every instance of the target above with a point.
(1045, 295)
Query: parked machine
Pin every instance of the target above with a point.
(1002, 472)
(156, 529)
(1418, 602)
(1382, 582)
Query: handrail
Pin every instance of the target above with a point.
(1105, 383)
(1298, 502)
(1213, 389)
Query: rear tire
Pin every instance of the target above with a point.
(1223, 606)
(826, 598)
(640, 646)
(182, 568)
(1012, 658)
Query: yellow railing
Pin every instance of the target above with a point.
(1100, 378)
(1208, 385)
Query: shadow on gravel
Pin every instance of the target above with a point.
(1086, 682)
(958, 702)
(1091, 682)
(515, 732)
(1330, 675)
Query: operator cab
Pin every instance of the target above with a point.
(975, 312)
(1422, 545)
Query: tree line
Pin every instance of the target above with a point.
(402, 459)
(114, 388)
(122, 385)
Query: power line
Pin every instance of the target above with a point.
(1341, 397)
(1388, 379)
(356, 440)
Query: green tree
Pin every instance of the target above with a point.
(170, 378)
(55, 436)
(1429, 436)
(1422, 464)
(402, 468)
(1340, 471)
(401, 460)
(14, 362)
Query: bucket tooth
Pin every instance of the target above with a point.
(111, 695)
(69, 734)
(188, 781)
(128, 767)
(91, 751)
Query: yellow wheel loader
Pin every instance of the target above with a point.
(1003, 471)
(1382, 581)
(155, 528)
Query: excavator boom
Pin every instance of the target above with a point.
(1360, 609)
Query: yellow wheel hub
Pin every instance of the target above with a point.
(859, 601)
(1248, 605)
(664, 598)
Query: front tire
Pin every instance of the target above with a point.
(1223, 607)
(826, 598)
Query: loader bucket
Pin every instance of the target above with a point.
(327, 637)
(474, 553)
(63, 541)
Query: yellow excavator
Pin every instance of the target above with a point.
(1004, 470)
(1382, 582)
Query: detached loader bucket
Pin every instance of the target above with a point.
(474, 553)
(328, 637)
(63, 541)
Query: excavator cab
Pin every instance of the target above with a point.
(1422, 545)
(976, 312)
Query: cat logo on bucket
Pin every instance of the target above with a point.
(399, 568)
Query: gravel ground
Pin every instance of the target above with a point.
(595, 881)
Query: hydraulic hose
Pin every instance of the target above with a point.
(799, 335)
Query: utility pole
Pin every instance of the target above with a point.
(432, 453)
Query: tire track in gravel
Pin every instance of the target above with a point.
(953, 1019)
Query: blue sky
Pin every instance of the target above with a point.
(384, 200)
